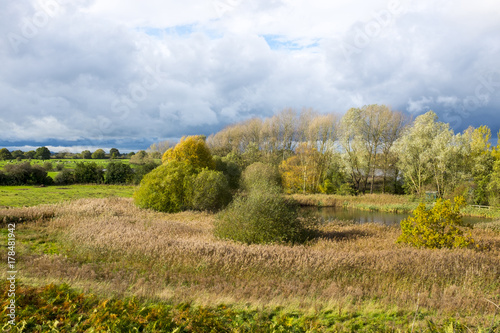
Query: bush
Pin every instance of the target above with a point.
(230, 169)
(118, 173)
(59, 167)
(88, 173)
(263, 216)
(48, 166)
(209, 190)
(143, 169)
(26, 174)
(163, 189)
(64, 177)
(436, 227)
(260, 175)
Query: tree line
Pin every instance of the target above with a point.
(368, 149)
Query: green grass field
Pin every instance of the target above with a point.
(21, 196)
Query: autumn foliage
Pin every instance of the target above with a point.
(438, 227)
(191, 150)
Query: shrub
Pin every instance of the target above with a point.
(163, 189)
(118, 173)
(209, 190)
(59, 167)
(48, 166)
(64, 177)
(263, 216)
(88, 173)
(436, 227)
(230, 169)
(260, 175)
(143, 169)
(26, 174)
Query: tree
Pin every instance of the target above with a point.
(99, 154)
(118, 173)
(114, 153)
(5, 154)
(140, 158)
(141, 170)
(86, 155)
(301, 172)
(42, 153)
(18, 154)
(191, 150)
(156, 150)
(260, 175)
(230, 169)
(88, 173)
(30, 154)
(422, 152)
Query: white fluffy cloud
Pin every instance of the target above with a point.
(126, 73)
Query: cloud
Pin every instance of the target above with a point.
(130, 73)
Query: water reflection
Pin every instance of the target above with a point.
(329, 214)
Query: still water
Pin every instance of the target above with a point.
(328, 214)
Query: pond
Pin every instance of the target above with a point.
(328, 214)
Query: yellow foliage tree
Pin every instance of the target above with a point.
(191, 150)
(300, 173)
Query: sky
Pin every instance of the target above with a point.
(92, 74)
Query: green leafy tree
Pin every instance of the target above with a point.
(86, 155)
(209, 190)
(143, 169)
(440, 226)
(5, 154)
(424, 154)
(163, 189)
(99, 154)
(18, 154)
(230, 169)
(114, 153)
(141, 157)
(118, 173)
(30, 154)
(88, 173)
(42, 153)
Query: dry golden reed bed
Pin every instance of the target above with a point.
(109, 246)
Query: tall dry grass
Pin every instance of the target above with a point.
(113, 248)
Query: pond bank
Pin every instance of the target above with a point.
(389, 203)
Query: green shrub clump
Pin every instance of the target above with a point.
(163, 188)
(176, 186)
(262, 216)
(209, 190)
(440, 226)
(259, 175)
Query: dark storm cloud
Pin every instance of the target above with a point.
(103, 73)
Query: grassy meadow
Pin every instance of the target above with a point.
(19, 196)
(168, 270)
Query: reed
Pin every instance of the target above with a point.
(110, 247)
